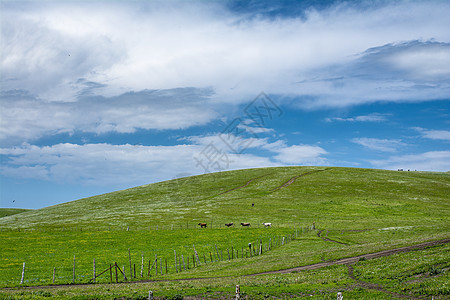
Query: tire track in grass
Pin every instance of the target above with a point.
(245, 185)
(327, 239)
(291, 181)
(355, 259)
(374, 286)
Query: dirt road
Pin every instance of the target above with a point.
(352, 260)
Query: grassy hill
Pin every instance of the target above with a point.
(4, 212)
(338, 197)
(354, 212)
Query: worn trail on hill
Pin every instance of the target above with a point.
(327, 239)
(355, 259)
(243, 186)
(291, 181)
(375, 286)
(343, 261)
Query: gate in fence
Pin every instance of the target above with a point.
(116, 268)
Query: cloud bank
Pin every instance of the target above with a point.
(122, 165)
(30, 118)
(427, 161)
(127, 47)
(106, 67)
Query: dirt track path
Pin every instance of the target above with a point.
(327, 239)
(243, 186)
(343, 261)
(291, 181)
(355, 259)
(375, 286)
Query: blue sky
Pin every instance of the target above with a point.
(98, 96)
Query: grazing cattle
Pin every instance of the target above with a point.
(229, 224)
(246, 224)
(202, 225)
(267, 224)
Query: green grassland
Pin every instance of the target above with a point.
(358, 210)
(417, 274)
(4, 212)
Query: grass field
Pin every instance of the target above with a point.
(354, 211)
(4, 212)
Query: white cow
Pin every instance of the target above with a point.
(267, 224)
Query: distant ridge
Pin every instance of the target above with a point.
(303, 195)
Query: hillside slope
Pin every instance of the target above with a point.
(4, 212)
(345, 198)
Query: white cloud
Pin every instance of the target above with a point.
(99, 164)
(132, 46)
(428, 161)
(116, 165)
(385, 145)
(86, 66)
(256, 130)
(374, 117)
(434, 134)
(301, 155)
(128, 165)
(27, 118)
(281, 152)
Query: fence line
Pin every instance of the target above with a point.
(182, 262)
(157, 227)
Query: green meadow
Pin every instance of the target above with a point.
(318, 214)
(4, 212)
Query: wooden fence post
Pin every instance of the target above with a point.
(238, 292)
(54, 272)
(23, 273)
(73, 277)
(117, 278)
(94, 271)
(196, 256)
(218, 257)
(142, 265)
(176, 264)
(129, 259)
